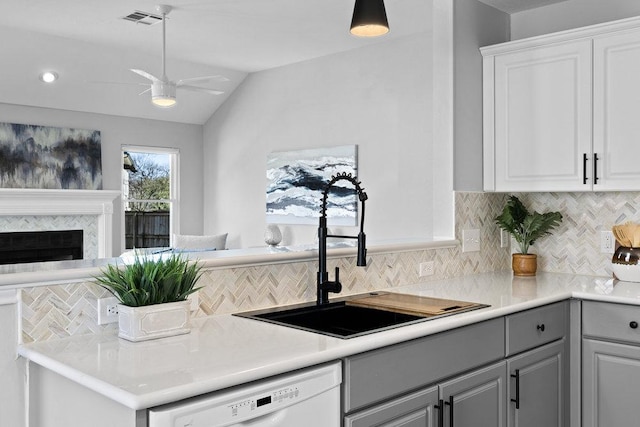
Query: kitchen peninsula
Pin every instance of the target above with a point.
(224, 351)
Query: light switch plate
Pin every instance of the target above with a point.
(471, 240)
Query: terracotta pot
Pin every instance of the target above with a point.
(524, 264)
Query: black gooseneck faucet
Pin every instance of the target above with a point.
(324, 284)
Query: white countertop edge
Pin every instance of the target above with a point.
(92, 383)
(606, 298)
(64, 272)
(349, 347)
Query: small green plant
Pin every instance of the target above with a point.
(151, 281)
(526, 227)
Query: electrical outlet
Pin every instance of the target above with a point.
(607, 242)
(471, 240)
(505, 238)
(107, 310)
(426, 268)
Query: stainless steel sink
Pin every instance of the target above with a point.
(338, 319)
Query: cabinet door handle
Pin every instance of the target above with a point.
(584, 168)
(540, 327)
(517, 399)
(440, 408)
(450, 404)
(595, 168)
(633, 325)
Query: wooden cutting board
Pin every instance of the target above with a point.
(412, 304)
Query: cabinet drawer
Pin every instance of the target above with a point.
(416, 407)
(536, 327)
(381, 374)
(610, 321)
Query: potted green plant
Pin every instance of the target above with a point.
(526, 228)
(152, 291)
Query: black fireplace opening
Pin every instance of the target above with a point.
(40, 246)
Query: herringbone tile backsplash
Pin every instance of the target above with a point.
(63, 310)
(575, 246)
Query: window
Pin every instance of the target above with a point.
(149, 196)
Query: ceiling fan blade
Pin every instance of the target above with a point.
(146, 75)
(117, 83)
(201, 89)
(202, 79)
(145, 91)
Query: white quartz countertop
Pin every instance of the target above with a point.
(224, 350)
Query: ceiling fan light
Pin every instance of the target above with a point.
(163, 94)
(369, 18)
(163, 101)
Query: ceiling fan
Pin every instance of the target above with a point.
(163, 90)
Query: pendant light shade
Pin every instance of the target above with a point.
(369, 19)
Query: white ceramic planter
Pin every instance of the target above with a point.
(153, 321)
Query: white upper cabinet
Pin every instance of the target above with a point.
(562, 112)
(616, 110)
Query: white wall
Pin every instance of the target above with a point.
(118, 131)
(475, 25)
(378, 97)
(570, 14)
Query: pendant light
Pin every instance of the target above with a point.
(369, 19)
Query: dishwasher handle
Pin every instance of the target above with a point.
(266, 420)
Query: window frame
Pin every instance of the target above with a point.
(174, 189)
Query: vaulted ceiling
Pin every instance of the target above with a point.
(91, 47)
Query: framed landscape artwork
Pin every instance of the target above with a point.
(46, 157)
(296, 180)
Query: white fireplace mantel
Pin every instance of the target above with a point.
(19, 201)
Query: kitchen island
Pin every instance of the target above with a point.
(224, 351)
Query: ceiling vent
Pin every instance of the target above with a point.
(144, 18)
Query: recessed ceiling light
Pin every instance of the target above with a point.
(49, 76)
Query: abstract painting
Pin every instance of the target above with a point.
(45, 157)
(296, 180)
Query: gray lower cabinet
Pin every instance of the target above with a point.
(510, 371)
(417, 409)
(537, 387)
(470, 400)
(475, 399)
(538, 367)
(611, 365)
(408, 384)
(379, 375)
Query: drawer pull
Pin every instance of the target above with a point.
(517, 399)
(540, 327)
(633, 325)
(450, 403)
(440, 408)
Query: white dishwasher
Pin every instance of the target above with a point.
(309, 398)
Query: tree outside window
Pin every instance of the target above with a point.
(147, 199)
